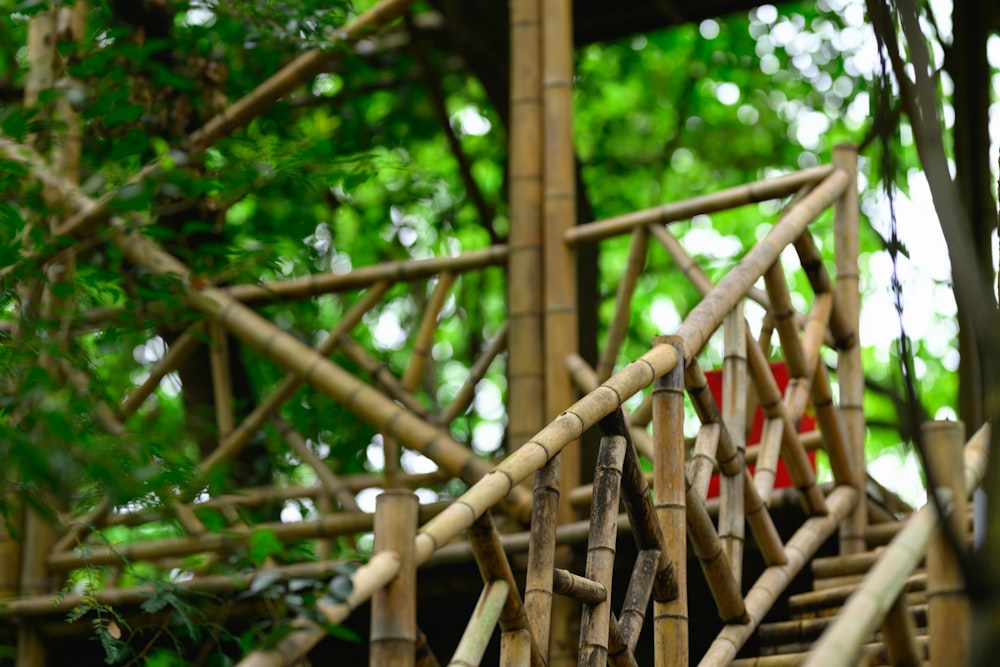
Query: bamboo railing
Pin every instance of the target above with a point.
(547, 418)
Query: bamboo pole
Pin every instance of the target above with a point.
(383, 377)
(900, 633)
(623, 303)
(477, 633)
(670, 618)
(702, 464)
(844, 334)
(949, 612)
(410, 270)
(178, 352)
(293, 355)
(595, 621)
(394, 608)
(525, 362)
(466, 394)
(714, 563)
(304, 67)
(425, 334)
(491, 559)
(886, 579)
(541, 552)
(734, 390)
(850, 374)
(775, 579)
(636, 600)
(740, 195)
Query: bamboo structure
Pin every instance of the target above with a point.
(650, 484)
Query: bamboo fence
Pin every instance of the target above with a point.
(541, 343)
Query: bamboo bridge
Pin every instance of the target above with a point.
(641, 565)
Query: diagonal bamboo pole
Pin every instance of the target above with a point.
(476, 637)
(467, 393)
(702, 465)
(425, 335)
(331, 483)
(623, 302)
(494, 566)
(740, 195)
(884, 582)
(844, 335)
(709, 313)
(734, 390)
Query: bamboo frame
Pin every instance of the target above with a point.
(467, 392)
(740, 195)
(886, 580)
(335, 488)
(394, 608)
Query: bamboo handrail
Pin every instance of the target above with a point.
(750, 193)
(884, 581)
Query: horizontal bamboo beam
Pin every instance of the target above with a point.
(868, 606)
(331, 525)
(774, 188)
(401, 271)
(581, 589)
(775, 579)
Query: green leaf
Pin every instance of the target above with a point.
(264, 543)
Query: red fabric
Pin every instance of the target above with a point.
(808, 423)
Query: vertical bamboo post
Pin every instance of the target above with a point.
(596, 620)
(394, 607)
(559, 271)
(525, 366)
(948, 611)
(670, 619)
(541, 553)
(559, 285)
(734, 390)
(849, 372)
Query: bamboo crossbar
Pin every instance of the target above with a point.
(331, 525)
(751, 193)
(395, 272)
(885, 581)
(775, 579)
